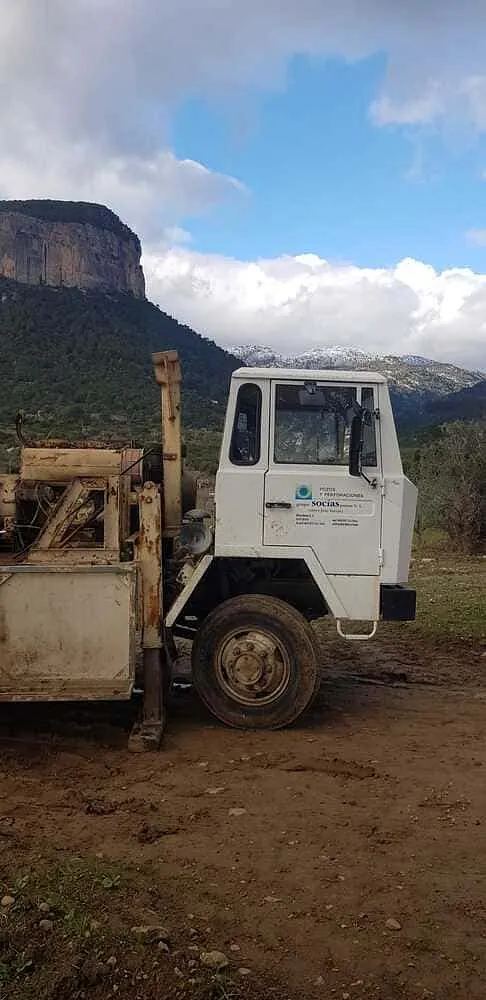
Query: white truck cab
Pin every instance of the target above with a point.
(312, 511)
(285, 487)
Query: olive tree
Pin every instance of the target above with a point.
(450, 473)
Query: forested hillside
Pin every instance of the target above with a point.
(79, 365)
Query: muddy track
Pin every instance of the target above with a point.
(295, 846)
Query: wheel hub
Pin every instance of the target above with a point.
(253, 667)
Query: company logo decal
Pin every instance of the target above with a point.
(303, 492)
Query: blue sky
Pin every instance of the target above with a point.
(324, 179)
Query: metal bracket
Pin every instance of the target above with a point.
(356, 636)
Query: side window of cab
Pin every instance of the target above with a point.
(245, 443)
(369, 454)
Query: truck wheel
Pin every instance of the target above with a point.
(255, 663)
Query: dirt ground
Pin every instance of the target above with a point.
(342, 858)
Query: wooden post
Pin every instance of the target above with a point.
(168, 376)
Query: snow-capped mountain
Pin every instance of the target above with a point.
(414, 381)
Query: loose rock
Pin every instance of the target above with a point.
(44, 908)
(393, 925)
(151, 932)
(214, 959)
(236, 812)
(244, 972)
(8, 901)
(46, 925)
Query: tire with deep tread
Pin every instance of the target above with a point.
(275, 617)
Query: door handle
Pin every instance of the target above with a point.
(283, 504)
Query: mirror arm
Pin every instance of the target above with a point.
(371, 482)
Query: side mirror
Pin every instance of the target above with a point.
(356, 444)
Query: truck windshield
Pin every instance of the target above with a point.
(312, 424)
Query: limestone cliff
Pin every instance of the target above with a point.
(73, 244)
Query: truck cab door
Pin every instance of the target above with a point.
(242, 468)
(311, 501)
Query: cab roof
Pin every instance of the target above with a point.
(310, 375)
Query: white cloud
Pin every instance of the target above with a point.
(477, 236)
(177, 235)
(150, 193)
(296, 303)
(420, 110)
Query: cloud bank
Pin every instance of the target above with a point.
(293, 304)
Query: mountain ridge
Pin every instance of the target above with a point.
(415, 382)
(466, 404)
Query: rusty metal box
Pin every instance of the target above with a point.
(67, 632)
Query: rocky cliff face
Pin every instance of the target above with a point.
(74, 244)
